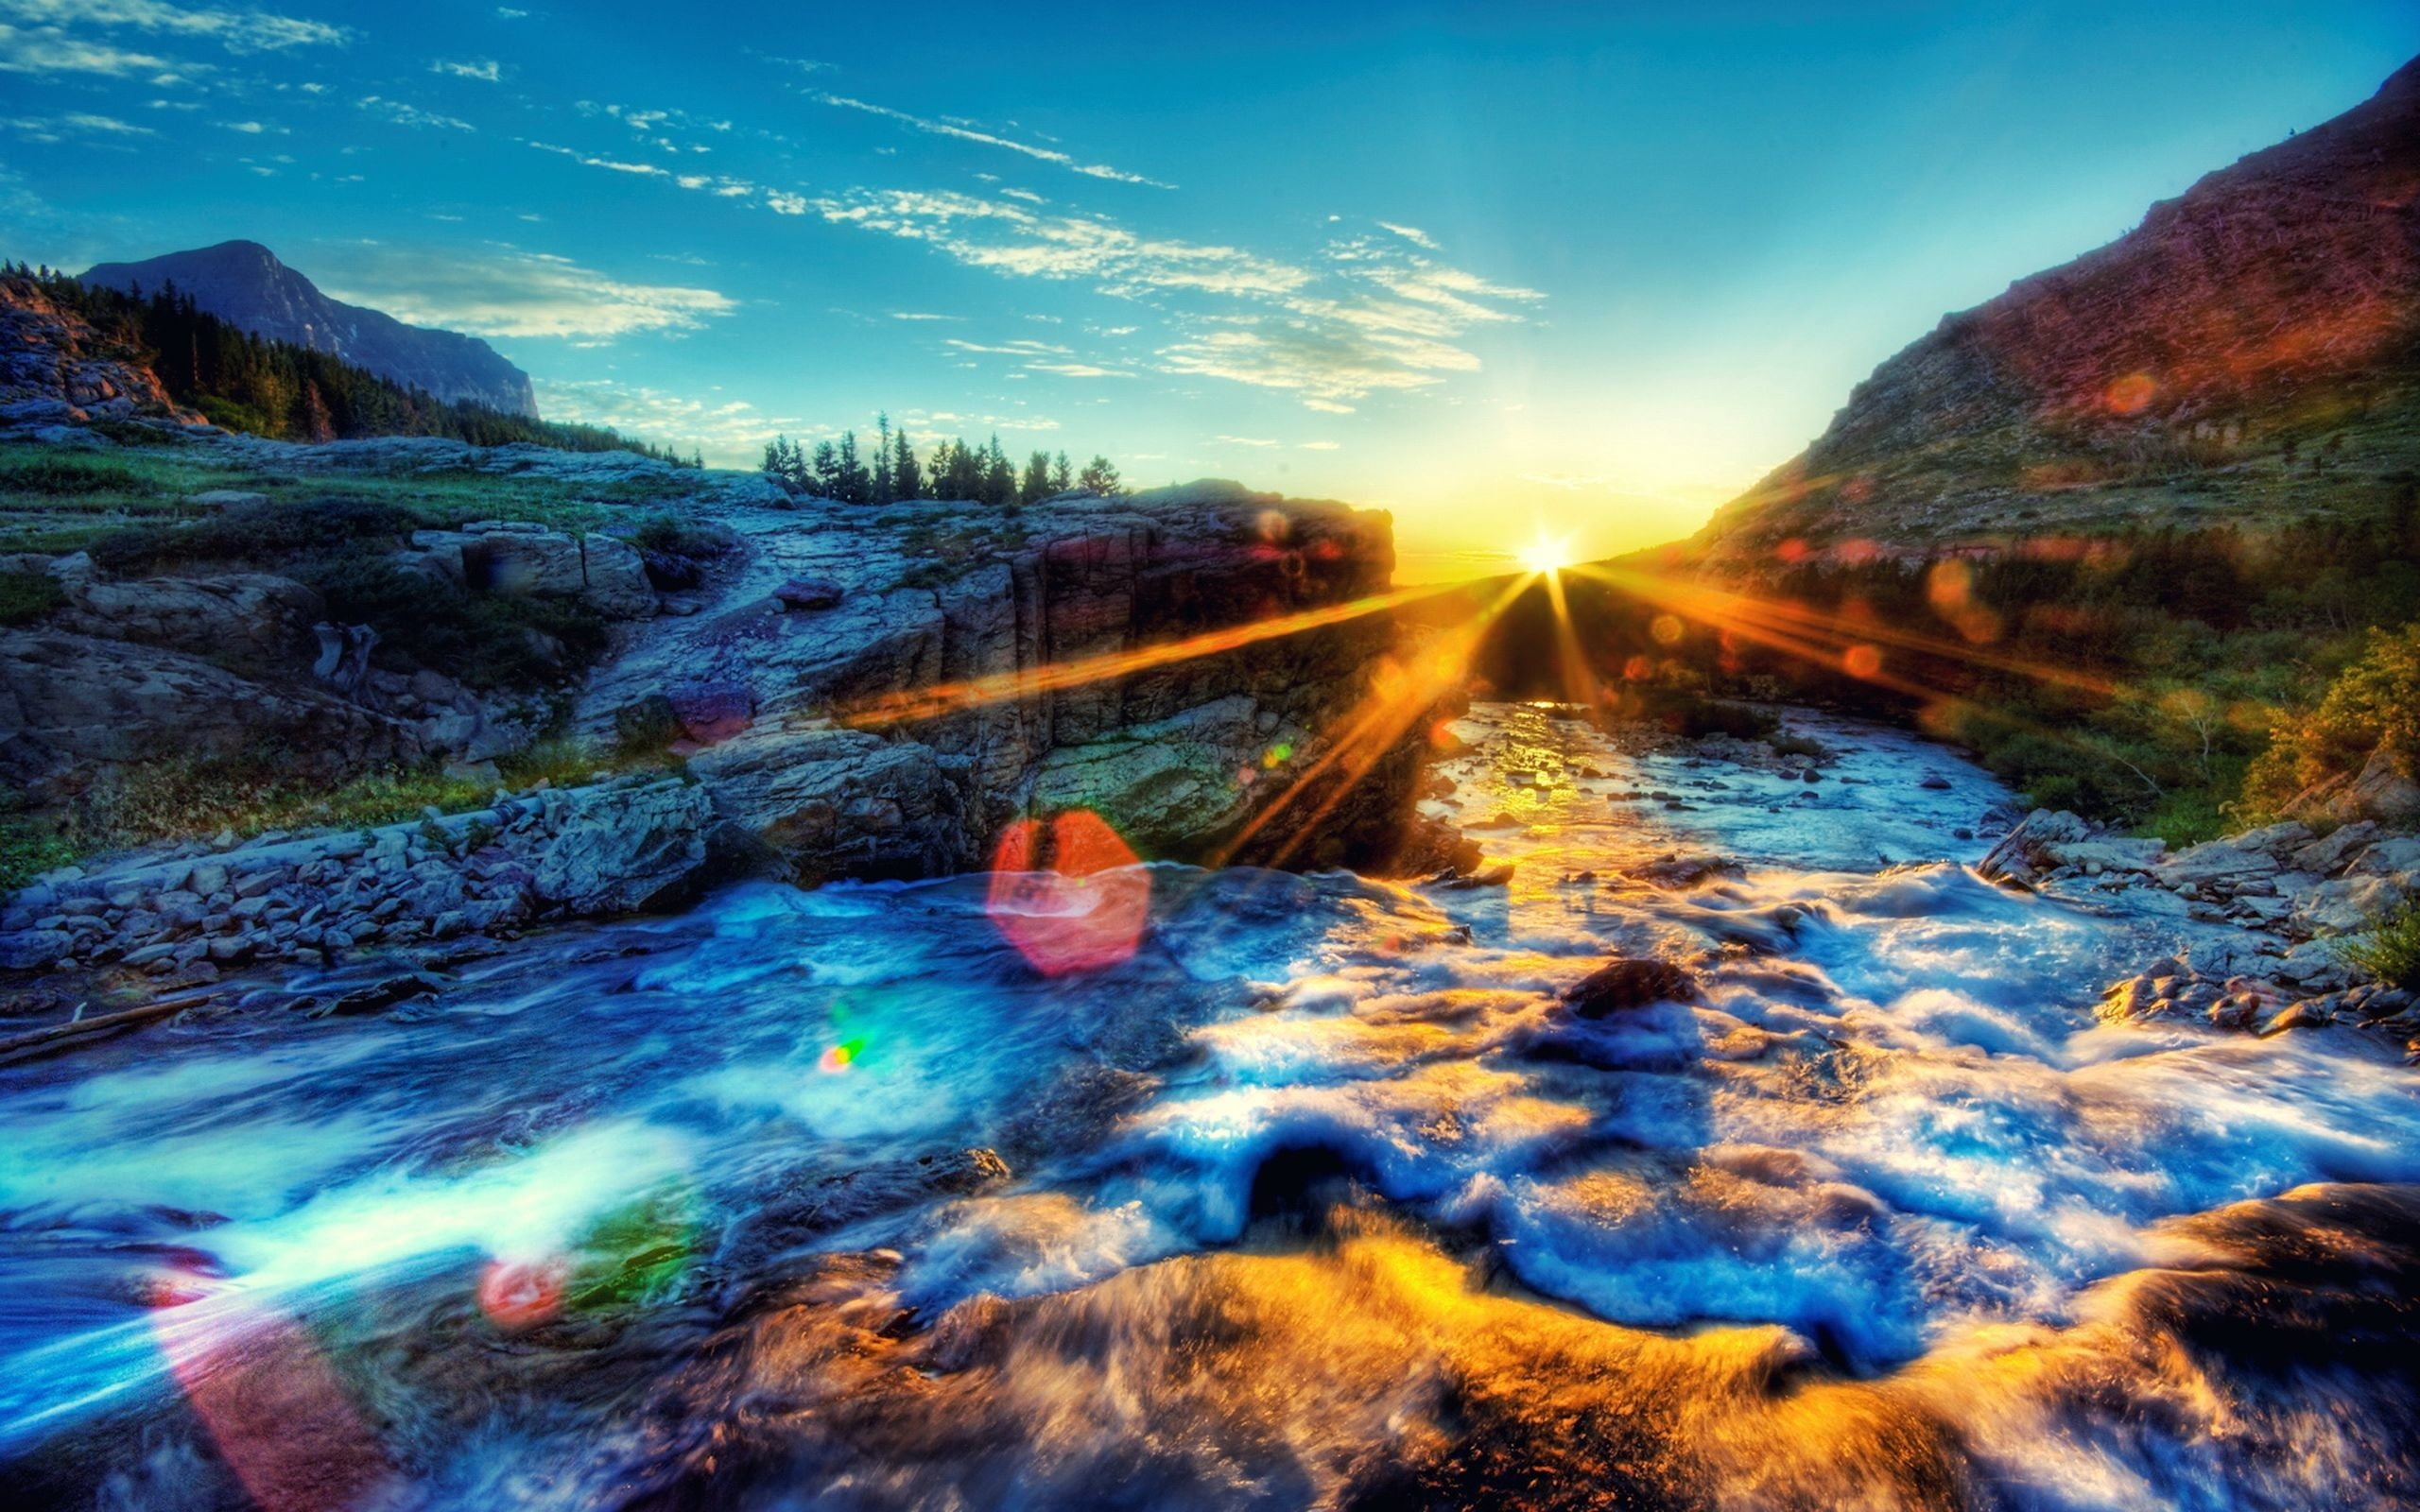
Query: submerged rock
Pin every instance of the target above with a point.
(1630, 984)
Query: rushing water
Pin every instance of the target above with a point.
(1319, 1196)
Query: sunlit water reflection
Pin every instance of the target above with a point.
(836, 1198)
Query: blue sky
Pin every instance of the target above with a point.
(1585, 270)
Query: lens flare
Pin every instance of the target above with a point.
(518, 1295)
(1080, 908)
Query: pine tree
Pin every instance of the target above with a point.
(826, 467)
(1099, 476)
(999, 474)
(883, 483)
(1062, 477)
(853, 483)
(1036, 483)
(906, 481)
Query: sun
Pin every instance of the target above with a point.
(1544, 557)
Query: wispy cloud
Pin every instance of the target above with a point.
(48, 50)
(486, 70)
(238, 31)
(1014, 240)
(509, 292)
(1410, 234)
(1244, 440)
(412, 115)
(965, 131)
(1362, 317)
(731, 432)
(60, 128)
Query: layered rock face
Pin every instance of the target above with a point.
(787, 691)
(245, 285)
(2255, 340)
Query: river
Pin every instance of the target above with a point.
(1178, 1188)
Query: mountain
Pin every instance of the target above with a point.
(2249, 354)
(245, 285)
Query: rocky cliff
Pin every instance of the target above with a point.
(782, 669)
(244, 283)
(54, 367)
(782, 687)
(2252, 350)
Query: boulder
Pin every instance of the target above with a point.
(2381, 791)
(253, 622)
(1623, 985)
(69, 702)
(709, 714)
(799, 594)
(2331, 853)
(614, 850)
(2107, 854)
(2220, 864)
(845, 802)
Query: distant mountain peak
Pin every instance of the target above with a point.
(246, 285)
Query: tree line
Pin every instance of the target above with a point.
(953, 470)
(242, 381)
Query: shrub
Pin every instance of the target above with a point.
(2389, 953)
(58, 475)
(25, 597)
(253, 532)
(484, 640)
(2372, 705)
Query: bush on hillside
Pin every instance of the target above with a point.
(253, 532)
(2372, 705)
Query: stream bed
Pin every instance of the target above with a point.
(1176, 1187)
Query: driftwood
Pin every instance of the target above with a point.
(65, 1036)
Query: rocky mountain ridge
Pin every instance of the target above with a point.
(2250, 352)
(246, 285)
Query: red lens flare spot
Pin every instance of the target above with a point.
(1861, 660)
(1081, 907)
(519, 1294)
(284, 1421)
(1667, 629)
(2132, 394)
(1792, 550)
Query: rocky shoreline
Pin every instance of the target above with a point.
(186, 917)
(2261, 910)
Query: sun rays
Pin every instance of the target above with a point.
(1408, 685)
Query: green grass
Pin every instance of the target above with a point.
(2389, 953)
(28, 849)
(193, 798)
(60, 499)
